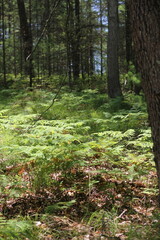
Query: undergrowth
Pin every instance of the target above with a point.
(87, 159)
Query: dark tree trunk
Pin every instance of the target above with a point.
(76, 47)
(146, 37)
(90, 38)
(129, 50)
(101, 37)
(27, 38)
(21, 54)
(114, 88)
(73, 40)
(4, 47)
(48, 32)
(14, 53)
(69, 36)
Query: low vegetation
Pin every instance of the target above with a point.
(83, 169)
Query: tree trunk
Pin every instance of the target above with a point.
(4, 47)
(14, 53)
(69, 36)
(114, 89)
(146, 37)
(48, 34)
(76, 55)
(101, 37)
(27, 38)
(90, 38)
(129, 50)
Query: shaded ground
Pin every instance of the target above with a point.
(109, 202)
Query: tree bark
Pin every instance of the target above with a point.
(114, 88)
(101, 36)
(69, 36)
(146, 37)
(129, 50)
(48, 33)
(76, 47)
(4, 47)
(90, 38)
(27, 38)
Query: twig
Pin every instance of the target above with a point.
(53, 100)
(44, 29)
(125, 210)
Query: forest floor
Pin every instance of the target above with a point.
(81, 170)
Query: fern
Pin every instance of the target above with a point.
(82, 133)
(17, 229)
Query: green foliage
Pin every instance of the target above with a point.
(132, 79)
(116, 104)
(83, 138)
(148, 232)
(17, 229)
(59, 206)
(106, 221)
(76, 126)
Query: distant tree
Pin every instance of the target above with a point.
(146, 37)
(90, 39)
(48, 36)
(26, 34)
(73, 40)
(76, 42)
(101, 36)
(68, 27)
(4, 46)
(114, 88)
(89, 35)
(129, 50)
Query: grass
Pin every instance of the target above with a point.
(83, 168)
